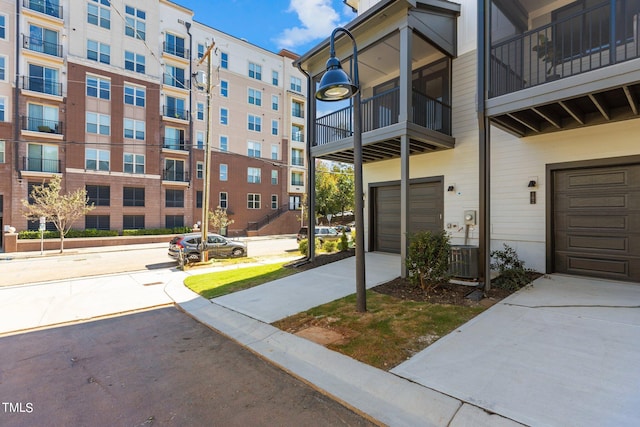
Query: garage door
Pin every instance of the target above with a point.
(425, 213)
(596, 227)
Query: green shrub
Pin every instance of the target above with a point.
(303, 246)
(156, 231)
(428, 259)
(330, 246)
(513, 274)
(343, 244)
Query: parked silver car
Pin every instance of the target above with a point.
(217, 246)
(322, 233)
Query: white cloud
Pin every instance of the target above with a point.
(317, 18)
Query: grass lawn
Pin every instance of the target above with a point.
(220, 283)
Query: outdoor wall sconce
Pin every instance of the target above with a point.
(532, 184)
(451, 188)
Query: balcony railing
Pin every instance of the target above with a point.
(35, 124)
(380, 111)
(48, 7)
(175, 176)
(42, 85)
(174, 50)
(573, 45)
(35, 164)
(38, 45)
(297, 161)
(175, 144)
(175, 113)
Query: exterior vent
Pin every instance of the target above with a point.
(463, 262)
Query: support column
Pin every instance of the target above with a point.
(405, 115)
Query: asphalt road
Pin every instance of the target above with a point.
(157, 367)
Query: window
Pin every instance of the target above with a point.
(200, 50)
(275, 101)
(198, 199)
(3, 68)
(297, 158)
(43, 40)
(134, 62)
(174, 139)
(254, 149)
(253, 201)
(223, 200)
(296, 109)
(44, 80)
(297, 133)
(42, 158)
(134, 95)
(99, 195)
(199, 170)
(133, 163)
(175, 107)
(255, 71)
(133, 196)
(200, 140)
(274, 78)
(42, 118)
(174, 76)
(98, 123)
(224, 88)
(3, 27)
(253, 175)
(174, 170)
(224, 170)
(296, 84)
(255, 97)
(274, 177)
(97, 222)
(96, 160)
(174, 198)
(134, 129)
(224, 116)
(274, 201)
(224, 143)
(224, 60)
(98, 87)
(98, 13)
(2, 151)
(97, 51)
(297, 179)
(3, 107)
(200, 111)
(174, 45)
(274, 127)
(135, 22)
(255, 123)
(274, 151)
(173, 221)
(133, 222)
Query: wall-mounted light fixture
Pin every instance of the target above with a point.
(532, 184)
(451, 188)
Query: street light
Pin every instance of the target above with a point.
(336, 85)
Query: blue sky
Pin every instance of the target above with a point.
(296, 25)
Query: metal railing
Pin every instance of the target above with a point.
(48, 7)
(175, 144)
(175, 176)
(175, 113)
(175, 50)
(38, 45)
(431, 113)
(35, 164)
(267, 219)
(297, 161)
(42, 85)
(41, 125)
(566, 47)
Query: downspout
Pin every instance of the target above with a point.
(16, 97)
(191, 156)
(311, 172)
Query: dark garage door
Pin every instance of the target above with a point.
(597, 222)
(425, 212)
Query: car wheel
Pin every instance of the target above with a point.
(237, 252)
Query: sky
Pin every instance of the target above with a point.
(295, 25)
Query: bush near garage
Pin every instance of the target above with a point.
(428, 259)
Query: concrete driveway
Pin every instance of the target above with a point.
(563, 352)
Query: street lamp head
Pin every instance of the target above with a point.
(335, 84)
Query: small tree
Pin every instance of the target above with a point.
(218, 219)
(428, 259)
(61, 209)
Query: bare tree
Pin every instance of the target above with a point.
(218, 219)
(61, 209)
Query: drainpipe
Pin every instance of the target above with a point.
(191, 156)
(16, 97)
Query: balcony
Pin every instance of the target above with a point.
(568, 73)
(174, 50)
(35, 164)
(175, 176)
(297, 161)
(39, 45)
(34, 124)
(48, 7)
(42, 85)
(175, 144)
(175, 113)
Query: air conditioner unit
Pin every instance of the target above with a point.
(463, 262)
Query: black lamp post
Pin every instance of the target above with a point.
(336, 85)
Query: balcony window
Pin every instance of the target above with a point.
(134, 163)
(43, 40)
(42, 118)
(44, 80)
(97, 160)
(297, 179)
(48, 7)
(175, 108)
(174, 170)
(297, 158)
(174, 45)
(297, 133)
(174, 139)
(42, 158)
(174, 76)
(297, 109)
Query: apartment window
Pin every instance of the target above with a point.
(134, 62)
(98, 13)
(174, 198)
(133, 196)
(224, 88)
(175, 107)
(274, 177)
(97, 51)
(3, 27)
(98, 123)
(42, 118)
(253, 175)
(134, 95)
(223, 200)
(200, 140)
(174, 76)
(224, 116)
(42, 158)
(297, 179)
(173, 221)
(224, 60)
(174, 139)
(275, 150)
(296, 84)
(224, 143)
(253, 201)
(296, 109)
(98, 87)
(255, 71)
(275, 78)
(200, 50)
(98, 195)
(199, 170)
(255, 97)
(224, 172)
(3, 68)
(297, 133)
(3, 107)
(254, 123)
(135, 25)
(97, 222)
(275, 101)
(96, 160)
(254, 149)
(274, 127)
(133, 222)
(200, 111)
(2, 151)
(174, 45)
(43, 40)
(297, 157)
(274, 201)
(134, 129)
(44, 80)
(199, 199)
(174, 170)
(133, 163)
